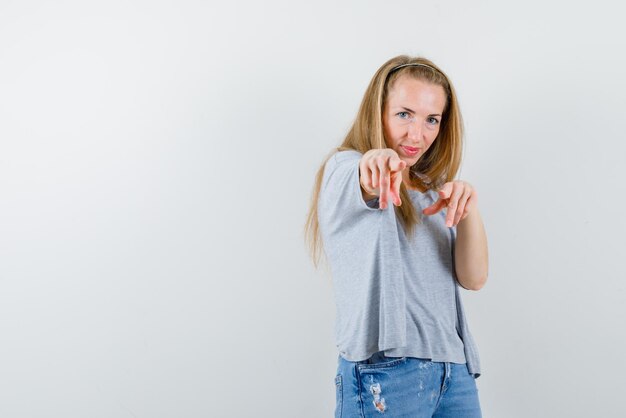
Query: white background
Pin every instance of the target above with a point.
(156, 161)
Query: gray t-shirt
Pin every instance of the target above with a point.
(392, 294)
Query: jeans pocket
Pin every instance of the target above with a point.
(387, 362)
(338, 396)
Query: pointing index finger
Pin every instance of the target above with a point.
(383, 184)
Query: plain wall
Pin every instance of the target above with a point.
(156, 163)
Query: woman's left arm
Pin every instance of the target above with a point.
(471, 257)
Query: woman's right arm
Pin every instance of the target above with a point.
(380, 175)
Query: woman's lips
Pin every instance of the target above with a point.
(410, 151)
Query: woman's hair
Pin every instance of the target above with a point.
(437, 166)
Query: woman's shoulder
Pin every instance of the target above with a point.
(343, 157)
(350, 154)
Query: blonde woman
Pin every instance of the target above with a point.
(401, 235)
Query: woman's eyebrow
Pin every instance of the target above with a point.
(409, 110)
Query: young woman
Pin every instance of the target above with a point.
(401, 235)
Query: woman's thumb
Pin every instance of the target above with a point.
(396, 164)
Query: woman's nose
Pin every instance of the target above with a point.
(414, 130)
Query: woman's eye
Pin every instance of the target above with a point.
(403, 115)
(433, 121)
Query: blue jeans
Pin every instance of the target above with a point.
(404, 387)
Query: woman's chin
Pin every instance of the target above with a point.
(410, 161)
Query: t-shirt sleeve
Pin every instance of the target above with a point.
(341, 189)
(344, 216)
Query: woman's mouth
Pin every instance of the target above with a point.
(410, 151)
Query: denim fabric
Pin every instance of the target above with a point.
(404, 387)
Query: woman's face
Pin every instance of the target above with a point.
(411, 117)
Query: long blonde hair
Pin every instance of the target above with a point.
(437, 166)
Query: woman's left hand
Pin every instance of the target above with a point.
(459, 197)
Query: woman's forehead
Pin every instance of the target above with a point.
(410, 91)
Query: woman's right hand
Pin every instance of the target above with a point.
(381, 175)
